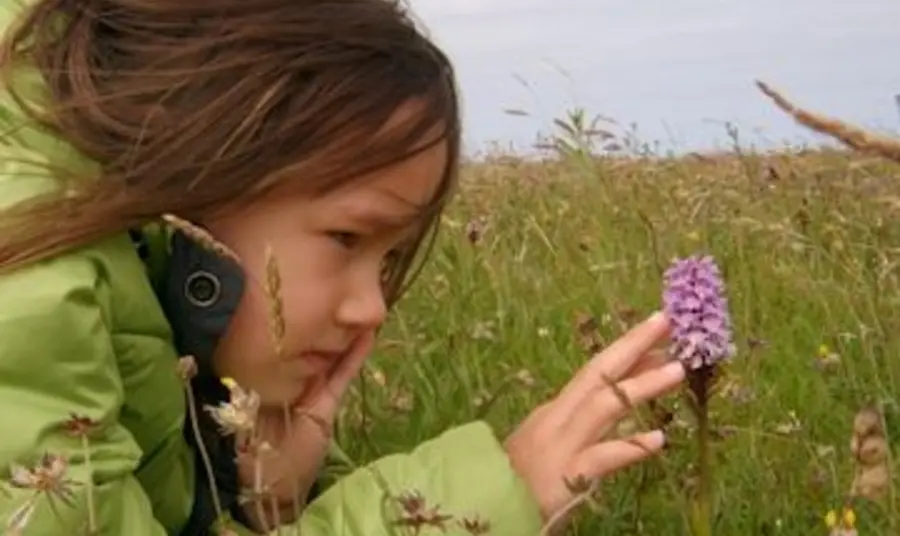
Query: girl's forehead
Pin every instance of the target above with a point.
(410, 185)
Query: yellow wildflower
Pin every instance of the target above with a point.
(849, 518)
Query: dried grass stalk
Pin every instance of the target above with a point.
(202, 237)
(272, 287)
(187, 369)
(852, 136)
(277, 329)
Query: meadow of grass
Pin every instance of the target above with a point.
(534, 257)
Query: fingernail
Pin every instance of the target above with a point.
(675, 368)
(659, 437)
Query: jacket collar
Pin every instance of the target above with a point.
(198, 290)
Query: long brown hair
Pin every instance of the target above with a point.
(192, 106)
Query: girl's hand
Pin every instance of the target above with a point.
(300, 437)
(562, 439)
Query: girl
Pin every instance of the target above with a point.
(323, 131)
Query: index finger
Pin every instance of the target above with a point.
(619, 357)
(325, 403)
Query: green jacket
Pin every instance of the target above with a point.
(85, 335)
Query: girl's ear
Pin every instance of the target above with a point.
(200, 295)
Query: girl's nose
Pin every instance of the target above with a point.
(363, 305)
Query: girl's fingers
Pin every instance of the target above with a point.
(602, 459)
(651, 360)
(622, 354)
(325, 404)
(617, 359)
(312, 421)
(349, 368)
(607, 405)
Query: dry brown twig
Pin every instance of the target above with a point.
(851, 135)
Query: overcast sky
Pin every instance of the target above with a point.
(677, 68)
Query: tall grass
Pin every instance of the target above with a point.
(809, 243)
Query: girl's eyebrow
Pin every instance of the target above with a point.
(386, 210)
(381, 218)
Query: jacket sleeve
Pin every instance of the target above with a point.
(56, 363)
(454, 484)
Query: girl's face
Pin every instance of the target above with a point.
(330, 251)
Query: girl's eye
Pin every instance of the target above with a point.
(347, 239)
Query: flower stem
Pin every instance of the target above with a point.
(295, 485)
(92, 514)
(702, 514)
(204, 455)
